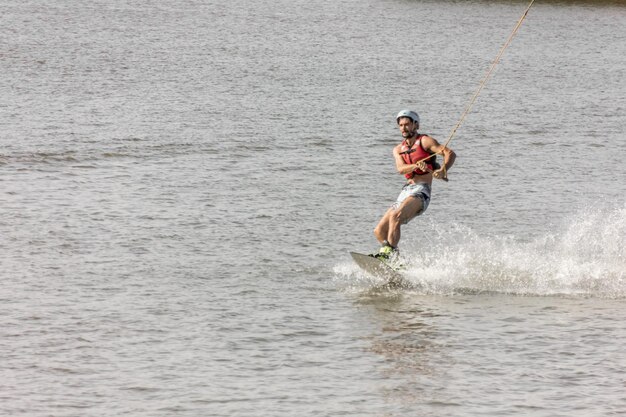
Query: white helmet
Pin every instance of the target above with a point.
(410, 114)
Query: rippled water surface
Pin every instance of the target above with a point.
(181, 182)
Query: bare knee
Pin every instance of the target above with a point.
(379, 232)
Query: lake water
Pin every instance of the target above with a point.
(181, 182)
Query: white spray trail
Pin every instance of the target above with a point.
(584, 258)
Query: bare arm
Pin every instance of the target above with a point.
(432, 146)
(404, 168)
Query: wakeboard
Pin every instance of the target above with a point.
(378, 268)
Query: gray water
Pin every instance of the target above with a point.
(181, 182)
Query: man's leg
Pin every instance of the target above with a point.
(407, 210)
(382, 229)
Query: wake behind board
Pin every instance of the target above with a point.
(379, 269)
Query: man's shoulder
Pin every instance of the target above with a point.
(428, 141)
(398, 148)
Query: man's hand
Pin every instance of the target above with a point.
(421, 166)
(440, 174)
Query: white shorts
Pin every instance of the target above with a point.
(419, 190)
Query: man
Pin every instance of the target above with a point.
(415, 159)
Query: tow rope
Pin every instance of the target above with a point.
(483, 82)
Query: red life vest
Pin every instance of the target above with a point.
(417, 153)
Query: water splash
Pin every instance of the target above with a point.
(585, 257)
